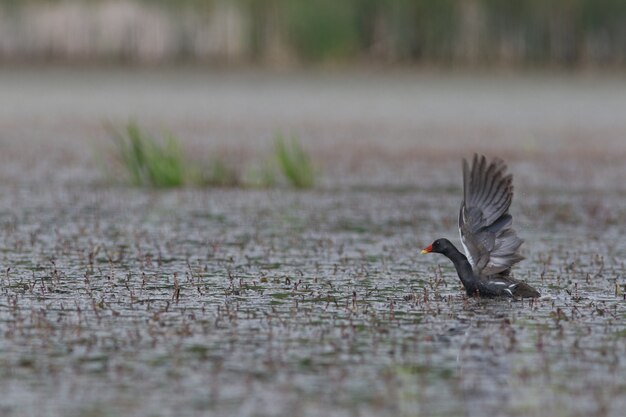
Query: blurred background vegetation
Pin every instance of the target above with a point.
(562, 33)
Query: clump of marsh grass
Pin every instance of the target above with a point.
(148, 161)
(294, 162)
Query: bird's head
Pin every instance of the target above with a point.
(438, 246)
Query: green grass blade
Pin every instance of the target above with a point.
(294, 162)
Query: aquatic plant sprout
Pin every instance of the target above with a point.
(294, 162)
(148, 161)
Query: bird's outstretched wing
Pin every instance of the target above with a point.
(484, 221)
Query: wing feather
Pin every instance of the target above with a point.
(490, 243)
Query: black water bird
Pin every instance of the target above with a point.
(491, 245)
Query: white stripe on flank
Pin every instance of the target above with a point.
(468, 255)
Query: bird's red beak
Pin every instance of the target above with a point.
(427, 249)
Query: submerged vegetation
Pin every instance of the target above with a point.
(161, 163)
(221, 303)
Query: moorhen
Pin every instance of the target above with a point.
(490, 243)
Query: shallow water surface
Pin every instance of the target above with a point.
(242, 302)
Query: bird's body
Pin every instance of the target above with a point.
(490, 244)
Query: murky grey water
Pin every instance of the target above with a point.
(118, 301)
